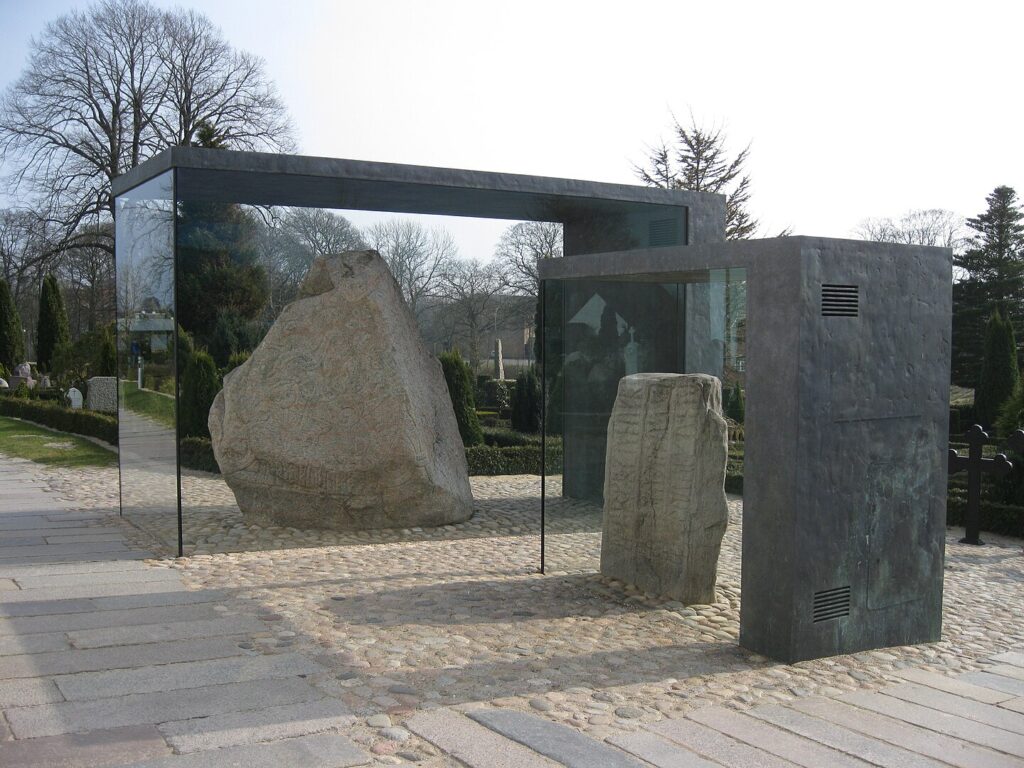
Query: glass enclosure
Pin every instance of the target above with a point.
(147, 407)
(212, 245)
(595, 332)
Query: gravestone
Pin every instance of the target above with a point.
(499, 361)
(22, 375)
(665, 510)
(4, 384)
(102, 394)
(75, 398)
(341, 418)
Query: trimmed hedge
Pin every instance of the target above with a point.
(507, 438)
(55, 416)
(197, 453)
(734, 484)
(459, 379)
(1004, 519)
(513, 460)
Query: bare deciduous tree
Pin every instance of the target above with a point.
(322, 232)
(469, 286)
(292, 237)
(521, 247)
(107, 87)
(419, 258)
(86, 274)
(932, 226)
(210, 83)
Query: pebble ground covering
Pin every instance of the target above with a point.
(455, 616)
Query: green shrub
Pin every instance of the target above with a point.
(735, 405)
(106, 361)
(460, 388)
(513, 460)
(185, 349)
(199, 386)
(480, 390)
(224, 342)
(526, 402)
(22, 392)
(53, 330)
(236, 360)
(963, 420)
(507, 438)
(197, 453)
(12, 344)
(999, 374)
(1011, 415)
(497, 394)
(997, 517)
(56, 416)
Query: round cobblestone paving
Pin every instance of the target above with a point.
(459, 615)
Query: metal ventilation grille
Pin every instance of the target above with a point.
(839, 300)
(663, 232)
(831, 604)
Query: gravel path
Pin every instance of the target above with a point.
(458, 615)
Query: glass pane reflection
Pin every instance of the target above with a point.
(596, 332)
(146, 367)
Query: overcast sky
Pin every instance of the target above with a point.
(853, 109)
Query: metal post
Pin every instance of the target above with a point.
(543, 420)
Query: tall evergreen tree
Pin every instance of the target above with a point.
(12, 345)
(200, 384)
(999, 372)
(993, 278)
(459, 378)
(53, 331)
(106, 363)
(699, 162)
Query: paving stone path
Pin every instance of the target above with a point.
(110, 659)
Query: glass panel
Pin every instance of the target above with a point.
(146, 367)
(239, 266)
(598, 331)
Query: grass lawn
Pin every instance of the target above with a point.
(155, 405)
(55, 449)
(960, 395)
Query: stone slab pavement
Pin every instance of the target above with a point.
(106, 659)
(932, 721)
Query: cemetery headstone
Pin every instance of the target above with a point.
(75, 398)
(22, 375)
(499, 361)
(102, 394)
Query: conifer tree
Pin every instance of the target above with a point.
(12, 345)
(999, 373)
(699, 162)
(993, 278)
(460, 387)
(200, 384)
(53, 330)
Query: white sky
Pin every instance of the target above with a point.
(853, 109)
